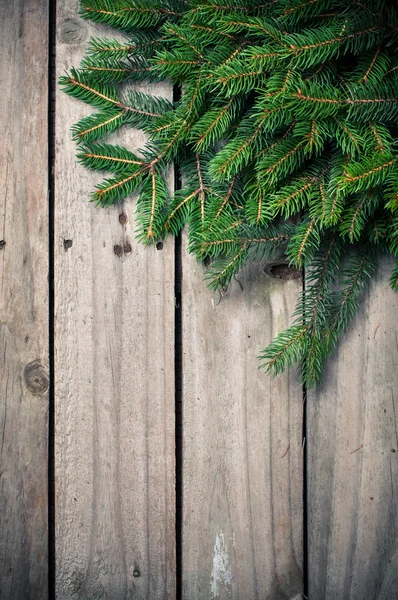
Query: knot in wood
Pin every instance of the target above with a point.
(73, 31)
(283, 271)
(36, 378)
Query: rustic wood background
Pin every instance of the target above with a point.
(276, 499)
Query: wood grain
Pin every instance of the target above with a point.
(24, 363)
(353, 458)
(242, 452)
(114, 364)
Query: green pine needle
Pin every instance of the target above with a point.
(285, 136)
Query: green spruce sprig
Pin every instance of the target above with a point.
(285, 135)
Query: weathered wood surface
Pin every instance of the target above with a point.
(353, 459)
(114, 386)
(242, 449)
(24, 299)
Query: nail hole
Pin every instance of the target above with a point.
(2, 244)
(136, 573)
(127, 248)
(123, 218)
(118, 250)
(68, 244)
(159, 246)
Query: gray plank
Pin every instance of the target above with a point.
(24, 300)
(353, 459)
(242, 443)
(114, 353)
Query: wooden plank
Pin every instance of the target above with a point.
(24, 363)
(114, 365)
(353, 459)
(242, 452)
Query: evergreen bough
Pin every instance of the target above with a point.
(288, 109)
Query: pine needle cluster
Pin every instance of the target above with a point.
(288, 109)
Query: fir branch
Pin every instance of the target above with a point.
(380, 145)
(116, 189)
(98, 125)
(181, 204)
(287, 348)
(355, 276)
(222, 273)
(106, 157)
(225, 200)
(150, 233)
(372, 64)
(201, 187)
(289, 109)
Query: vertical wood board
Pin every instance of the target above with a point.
(242, 442)
(353, 458)
(24, 363)
(114, 369)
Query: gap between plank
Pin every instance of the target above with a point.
(178, 380)
(305, 483)
(51, 250)
(178, 415)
